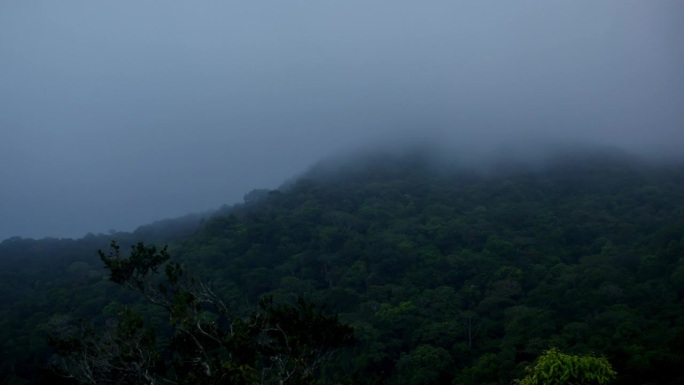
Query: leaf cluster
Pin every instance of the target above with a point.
(556, 368)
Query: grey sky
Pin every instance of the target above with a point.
(117, 113)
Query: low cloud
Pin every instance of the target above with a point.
(117, 114)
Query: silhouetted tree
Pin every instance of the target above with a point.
(276, 344)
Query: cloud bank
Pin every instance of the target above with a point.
(115, 114)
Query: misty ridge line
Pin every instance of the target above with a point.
(133, 116)
(428, 156)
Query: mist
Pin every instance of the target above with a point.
(115, 114)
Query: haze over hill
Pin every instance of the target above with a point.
(115, 114)
(446, 276)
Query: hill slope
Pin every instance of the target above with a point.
(445, 275)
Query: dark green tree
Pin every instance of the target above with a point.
(557, 368)
(208, 344)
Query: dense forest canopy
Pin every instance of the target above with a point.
(447, 275)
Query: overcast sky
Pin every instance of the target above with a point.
(116, 113)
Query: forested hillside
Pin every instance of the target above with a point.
(447, 276)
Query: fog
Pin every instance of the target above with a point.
(117, 113)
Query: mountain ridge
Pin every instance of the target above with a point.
(484, 269)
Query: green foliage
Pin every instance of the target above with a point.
(124, 353)
(490, 271)
(556, 368)
(295, 340)
(425, 365)
(208, 344)
(137, 268)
